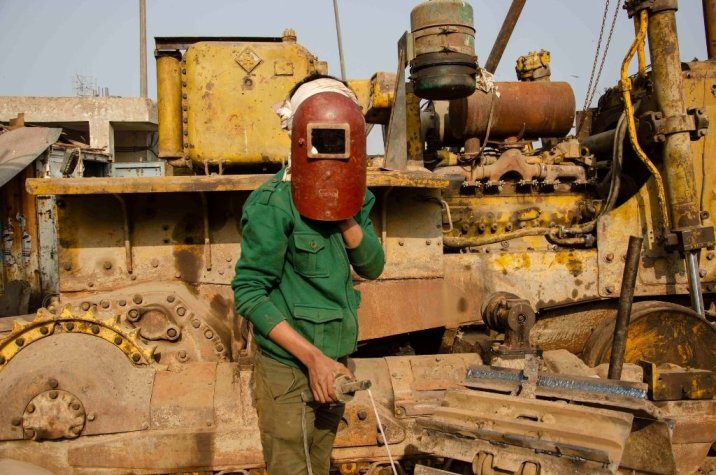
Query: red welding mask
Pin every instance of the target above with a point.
(328, 157)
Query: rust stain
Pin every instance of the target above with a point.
(573, 264)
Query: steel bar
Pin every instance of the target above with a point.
(503, 37)
(143, 48)
(340, 40)
(710, 27)
(626, 297)
(692, 270)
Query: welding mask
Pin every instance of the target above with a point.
(328, 157)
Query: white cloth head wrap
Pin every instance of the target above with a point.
(286, 110)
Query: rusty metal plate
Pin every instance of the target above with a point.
(168, 451)
(419, 298)
(228, 93)
(184, 398)
(19, 147)
(545, 279)
(546, 426)
(115, 394)
(419, 382)
(410, 220)
(659, 272)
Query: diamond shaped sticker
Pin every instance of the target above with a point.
(248, 60)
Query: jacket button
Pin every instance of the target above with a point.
(312, 244)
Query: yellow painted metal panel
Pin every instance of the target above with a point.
(175, 184)
(229, 89)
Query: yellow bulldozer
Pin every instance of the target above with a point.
(547, 303)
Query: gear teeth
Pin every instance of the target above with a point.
(66, 313)
(111, 322)
(18, 325)
(43, 315)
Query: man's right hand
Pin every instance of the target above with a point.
(322, 371)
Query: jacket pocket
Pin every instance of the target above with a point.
(310, 255)
(321, 326)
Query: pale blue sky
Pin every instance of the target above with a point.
(45, 42)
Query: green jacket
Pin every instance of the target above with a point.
(296, 269)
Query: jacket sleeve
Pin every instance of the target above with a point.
(368, 258)
(264, 241)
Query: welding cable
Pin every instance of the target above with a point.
(306, 451)
(625, 84)
(382, 433)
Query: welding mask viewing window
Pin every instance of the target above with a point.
(328, 157)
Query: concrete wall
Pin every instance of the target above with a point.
(98, 112)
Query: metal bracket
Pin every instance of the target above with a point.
(691, 239)
(654, 6)
(701, 122)
(654, 126)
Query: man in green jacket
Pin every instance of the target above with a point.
(293, 282)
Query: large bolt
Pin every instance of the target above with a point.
(53, 383)
(137, 299)
(170, 298)
(609, 257)
(609, 289)
(70, 326)
(181, 354)
(85, 306)
(76, 430)
(133, 314)
(195, 323)
(76, 406)
(181, 311)
(362, 415)
(20, 341)
(91, 416)
(53, 394)
(208, 334)
(95, 329)
(107, 265)
(104, 303)
(117, 340)
(44, 330)
(122, 302)
(30, 408)
(172, 333)
(136, 357)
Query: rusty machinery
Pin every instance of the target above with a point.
(141, 354)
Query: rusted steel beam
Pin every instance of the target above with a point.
(503, 37)
(669, 90)
(626, 297)
(177, 184)
(710, 27)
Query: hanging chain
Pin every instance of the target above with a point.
(594, 80)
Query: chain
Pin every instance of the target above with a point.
(594, 81)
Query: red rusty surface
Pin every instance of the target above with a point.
(328, 179)
(526, 109)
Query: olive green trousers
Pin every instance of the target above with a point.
(287, 422)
